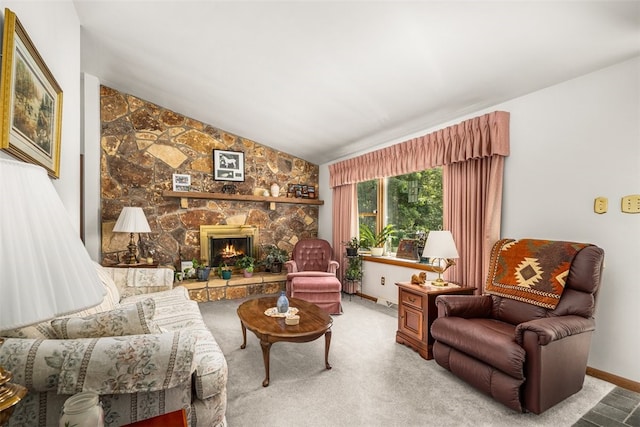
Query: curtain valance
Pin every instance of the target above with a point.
(479, 137)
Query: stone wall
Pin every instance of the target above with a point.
(143, 145)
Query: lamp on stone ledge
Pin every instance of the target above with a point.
(132, 220)
(440, 249)
(45, 270)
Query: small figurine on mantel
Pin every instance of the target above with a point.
(229, 189)
(419, 279)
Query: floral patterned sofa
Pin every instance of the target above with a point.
(146, 350)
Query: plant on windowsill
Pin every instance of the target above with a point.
(202, 270)
(376, 241)
(247, 264)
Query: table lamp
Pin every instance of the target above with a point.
(45, 270)
(132, 220)
(440, 248)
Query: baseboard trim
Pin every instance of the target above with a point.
(614, 379)
(365, 296)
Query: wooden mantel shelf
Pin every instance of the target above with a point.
(184, 196)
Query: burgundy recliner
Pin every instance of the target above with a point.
(311, 275)
(525, 356)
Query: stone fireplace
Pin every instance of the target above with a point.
(144, 144)
(225, 244)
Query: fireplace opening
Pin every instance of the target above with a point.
(228, 250)
(226, 244)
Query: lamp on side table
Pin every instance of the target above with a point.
(132, 220)
(441, 248)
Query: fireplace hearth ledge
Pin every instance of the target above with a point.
(238, 286)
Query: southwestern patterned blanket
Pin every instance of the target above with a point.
(530, 270)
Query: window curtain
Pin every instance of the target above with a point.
(345, 220)
(472, 206)
(482, 137)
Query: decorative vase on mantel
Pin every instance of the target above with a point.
(275, 190)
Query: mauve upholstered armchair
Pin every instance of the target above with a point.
(524, 355)
(311, 275)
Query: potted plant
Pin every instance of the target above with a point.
(354, 269)
(376, 241)
(202, 270)
(247, 264)
(275, 258)
(352, 246)
(224, 271)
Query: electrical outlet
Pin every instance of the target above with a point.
(631, 203)
(382, 280)
(600, 205)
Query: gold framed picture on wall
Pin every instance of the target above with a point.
(31, 101)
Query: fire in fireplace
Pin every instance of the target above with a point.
(227, 250)
(226, 244)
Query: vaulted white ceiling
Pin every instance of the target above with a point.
(321, 80)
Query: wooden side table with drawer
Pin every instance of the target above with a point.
(417, 310)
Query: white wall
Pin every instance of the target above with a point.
(373, 272)
(571, 143)
(91, 149)
(55, 31)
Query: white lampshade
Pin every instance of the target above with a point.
(440, 244)
(132, 220)
(45, 270)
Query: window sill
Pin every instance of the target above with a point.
(390, 260)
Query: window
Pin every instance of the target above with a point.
(411, 202)
(368, 207)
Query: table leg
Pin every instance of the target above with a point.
(327, 343)
(244, 336)
(266, 347)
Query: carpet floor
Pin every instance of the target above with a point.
(374, 380)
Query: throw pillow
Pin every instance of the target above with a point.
(113, 294)
(41, 330)
(126, 320)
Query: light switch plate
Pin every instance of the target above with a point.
(631, 203)
(600, 205)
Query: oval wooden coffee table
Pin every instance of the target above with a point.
(313, 324)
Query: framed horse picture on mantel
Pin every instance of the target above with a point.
(228, 165)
